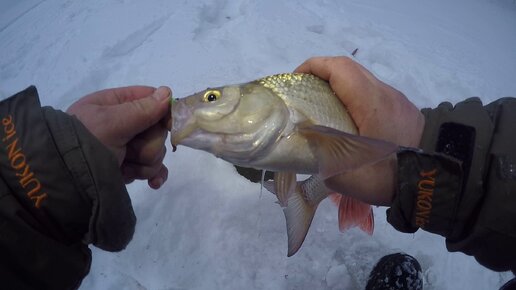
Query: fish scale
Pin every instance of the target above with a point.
(312, 96)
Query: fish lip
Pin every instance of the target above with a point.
(182, 122)
(177, 136)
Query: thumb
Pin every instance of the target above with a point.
(136, 116)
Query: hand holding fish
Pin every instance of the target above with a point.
(380, 112)
(131, 122)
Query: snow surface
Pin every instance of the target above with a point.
(208, 228)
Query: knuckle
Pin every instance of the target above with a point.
(343, 61)
(142, 106)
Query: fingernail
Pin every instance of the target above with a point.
(162, 93)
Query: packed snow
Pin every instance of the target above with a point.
(209, 228)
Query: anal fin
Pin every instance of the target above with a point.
(284, 186)
(299, 215)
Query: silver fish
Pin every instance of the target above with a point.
(287, 123)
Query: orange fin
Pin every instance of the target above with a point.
(335, 198)
(284, 186)
(368, 225)
(340, 152)
(353, 213)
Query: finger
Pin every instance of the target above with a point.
(328, 69)
(305, 66)
(157, 181)
(139, 171)
(117, 96)
(317, 66)
(352, 83)
(167, 121)
(132, 93)
(128, 180)
(109, 97)
(142, 113)
(148, 147)
(148, 157)
(343, 73)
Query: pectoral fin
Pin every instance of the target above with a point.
(340, 152)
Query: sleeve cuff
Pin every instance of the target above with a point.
(69, 182)
(97, 176)
(429, 188)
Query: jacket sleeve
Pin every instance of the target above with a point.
(60, 190)
(462, 184)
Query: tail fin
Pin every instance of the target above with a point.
(353, 213)
(299, 214)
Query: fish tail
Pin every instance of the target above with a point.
(353, 213)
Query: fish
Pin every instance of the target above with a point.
(289, 124)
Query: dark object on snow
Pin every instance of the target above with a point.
(254, 175)
(396, 271)
(511, 285)
(354, 52)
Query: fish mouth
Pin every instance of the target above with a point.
(178, 135)
(183, 122)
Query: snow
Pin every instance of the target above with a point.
(208, 228)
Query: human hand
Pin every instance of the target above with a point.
(380, 112)
(131, 122)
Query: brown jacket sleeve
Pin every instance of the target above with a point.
(462, 185)
(60, 190)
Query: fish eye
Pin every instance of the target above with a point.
(211, 96)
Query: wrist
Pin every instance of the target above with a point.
(374, 184)
(391, 181)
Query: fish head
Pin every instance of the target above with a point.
(233, 122)
(202, 110)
